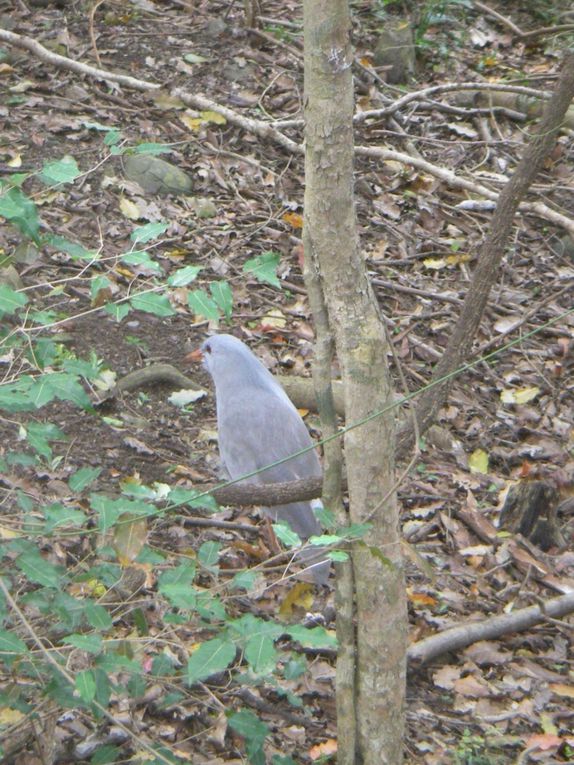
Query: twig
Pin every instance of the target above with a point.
(499, 17)
(516, 29)
(400, 103)
(91, 20)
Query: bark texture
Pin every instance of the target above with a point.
(492, 251)
(372, 626)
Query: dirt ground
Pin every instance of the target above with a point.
(487, 703)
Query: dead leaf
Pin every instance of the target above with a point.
(543, 741)
(300, 595)
(129, 209)
(446, 677)
(293, 219)
(472, 687)
(130, 534)
(324, 749)
(485, 652)
(478, 461)
(519, 395)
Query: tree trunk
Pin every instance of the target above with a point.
(492, 251)
(372, 631)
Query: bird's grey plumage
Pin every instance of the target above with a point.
(257, 425)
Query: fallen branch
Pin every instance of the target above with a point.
(464, 635)
(268, 131)
(299, 389)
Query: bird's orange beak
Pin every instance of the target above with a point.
(195, 357)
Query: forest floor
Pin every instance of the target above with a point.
(509, 419)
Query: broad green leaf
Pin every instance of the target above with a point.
(73, 249)
(10, 300)
(247, 626)
(58, 516)
(15, 397)
(223, 296)
(136, 687)
(107, 509)
(41, 392)
(195, 499)
(202, 305)
(210, 658)
(89, 643)
(18, 179)
(295, 667)
(184, 276)
(19, 209)
(98, 617)
(43, 318)
(38, 434)
(112, 138)
(286, 535)
(99, 284)
(163, 665)
(110, 509)
(86, 685)
(315, 637)
(117, 311)
(107, 754)
(63, 170)
(149, 231)
(208, 555)
(183, 574)
(151, 302)
(264, 268)
(59, 385)
(248, 725)
(244, 580)
(103, 687)
(40, 570)
(82, 478)
(338, 556)
(141, 258)
(326, 539)
(151, 148)
(210, 607)
(11, 643)
(180, 596)
(260, 654)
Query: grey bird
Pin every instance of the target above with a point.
(257, 425)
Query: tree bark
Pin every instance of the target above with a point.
(492, 251)
(372, 628)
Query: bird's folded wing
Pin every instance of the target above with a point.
(257, 429)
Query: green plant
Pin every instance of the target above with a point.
(54, 602)
(471, 750)
(437, 12)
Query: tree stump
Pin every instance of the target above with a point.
(530, 510)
